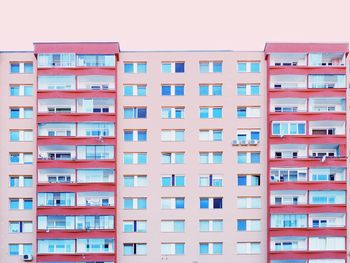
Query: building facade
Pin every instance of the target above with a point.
(165, 156)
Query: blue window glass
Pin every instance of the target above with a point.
(14, 90)
(204, 203)
(28, 68)
(217, 203)
(179, 226)
(180, 180)
(128, 249)
(217, 67)
(14, 249)
(241, 157)
(128, 68)
(128, 113)
(128, 158)
(166, 90)
(179, 90)
(142, 158)
(14, 182)
(293, 128)
(217, 113)
(217, 90)
(179, 135)
(179, 113)
(276, 128)
(203, 90)
(203, 248)
(180, 203)
(241, 112)
(141, 90)
(179, 249)
(241, 225)
(28, 182)
(128, 136)
(242, 137)
(179, 158)
(179, 67)
(128, 228)
(141, 203)
(242, 90)
(255, 90)
(217, 248)
(255, 135)
(255, 67)
(166, 181)
(14, 136)
(166, 67)
(28, 90)
(141, 113)
(242, 180)
(141, 67)
(204, 67)
(301, 128)
(28, 204)
(14, 67)
(128, 203)
(14, 114)
(204, 113)
(255, 157)
(242, 67)
(14, 204)
(14, 158)
(142, 136)
(128, 181)
(128, 90)
(217, 158)
(217, 135)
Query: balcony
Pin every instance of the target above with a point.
(92, 82)
(95, 105)
(321, 150)
(288, 197)
(288, 82)
(57, 152)
(288, 105)
(56, 175)
(288, 59)
(286, 151)
(288, 243)
(326, 81)
(56, 106)
(57, 129)
(336, 59)
(328, 174)
(326, 220)
(56, 83)
(288, 174)
(327, 127)
(95, 198)
(327, 105)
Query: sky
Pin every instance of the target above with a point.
(173, 25)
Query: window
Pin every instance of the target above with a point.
(173, 113)
(210, 135)
(135, 113)
(248, 157)
(173, 203)
(56, 199)
(135, 90)
(21, 113)
(136, 226)
(245, 137)
(173, 180)
(172, 249)
(248, 89)
(21, 67)
(288, 175)
(135, 180)
(248, 112)
(135, 203)
(210, 225)
(20, 227)
(248, 225)
(248, 248)
(21, 204)
(135, 158)
(21, 158)
(22, 90)
(95, 60)
(172, 226)
(173, 67)
(249, 202)
(20, 181)
(135, 135)
(288, 128)
(56, 60)
(172, 135)
(210, 90)
(210, 203)
(20, 249)
(21, 135)
(95, 152)
(210, 112)
(210, 180)
(210, 248)
(173, 158)
(253, 67)
(288, 220)
(326, 197)
(210, 66)
(135, 67)
(248, 180)
(134, 249)
(173, 90)
(210, 157)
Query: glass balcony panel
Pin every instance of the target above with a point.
(56, 246)
(327, 59)
(56, 175)
(56, 60)
(96, 61)
(56, 129)
(96, 129)
(288, 59)
(95, 199)
(322, 220)
(327, 104)
(327, 174)
(288, 82)
(327, 127)
(56, 82)
(95, 175)
(98, 82)
(95, 152)
(326, 81)
(288, 151)
(288, 197)
(96, 105)
(95, 245)
(56, 152)
(288, 105)
(321, 150)
(56, 105)
(56, 199)
(288, 243)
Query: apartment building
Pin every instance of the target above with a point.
(166, 156)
